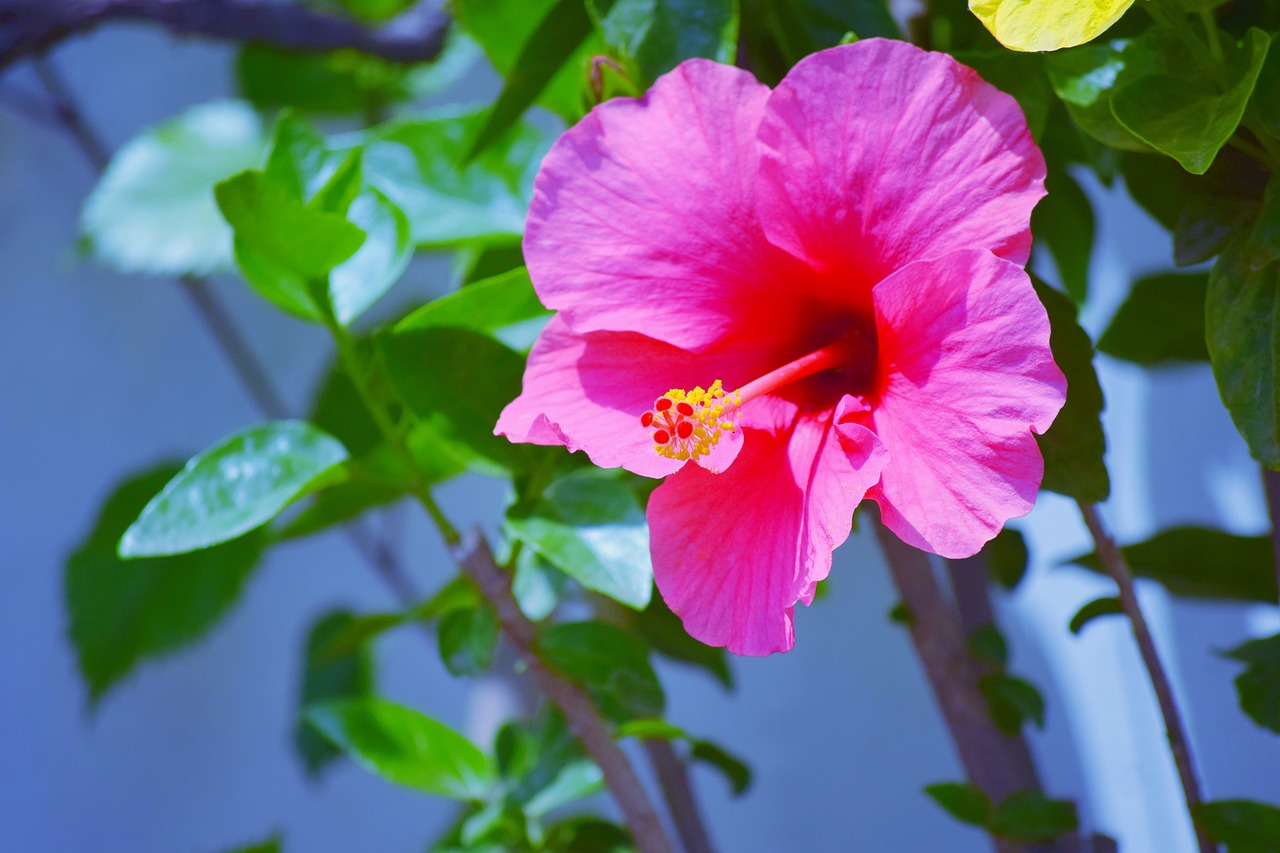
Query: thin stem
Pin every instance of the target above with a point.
(1271, 485)
(1113, 561)
(69, 115)
(953, 674)
(1211, 34)
(673, 779)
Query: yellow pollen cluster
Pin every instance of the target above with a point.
(686, 425)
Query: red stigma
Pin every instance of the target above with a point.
(661, 437)
(646, 419)
(662, 404)
(684, 429)
(684, 409)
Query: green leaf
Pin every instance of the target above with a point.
(1064, 222)
(735, 770)
(1259, 685)
(1242, 314)
(467, 638)
(664, 631)
(1007, 557)
(1197, 562)
(587, 835)
(1086, 78)
(504, 27)
(328, 677)
(657, 35)
(1266, 94)
(153, 211)
(418, 164)
(1074, 446)
(1012, 701)
(548, 48)
(281, 244)
(1264, 242)
(344, 81)
(1244, 826)
(121, 613)
(234, 487)
(611, 664)
(301, 163)
(376, 11)
(536, 585)
(360, 281)
(1030, 816)
(504, 306)
(457, 381)
(988, 644)
(1106, 606)
(782, 32)
(964, 802)
(271, 845)
(405, 747)
(590, 526)
(1161, 321)
(577, 780)
(1185, 115)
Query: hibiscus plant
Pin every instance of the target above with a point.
(732, 279)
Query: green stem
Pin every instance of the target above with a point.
(1211, 34)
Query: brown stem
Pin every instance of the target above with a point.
(673, 779)
(1113, 561)
(476, 561)
(953, 674)
(31, 27)
(1271, 485)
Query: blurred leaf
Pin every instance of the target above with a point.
(457, 594)
(1064, 222)
(123, 612)
(271, 845)
(1259, 685)
(576, 780)
(587, 835)
(1106, 606)
(503, 306)
(1266, 94)
(1196, 562)
(1244, 826)
(1074, 446)
(611, 664)
(1030, 816)
(782, 32)
(735, 770)
(342, 81)
(303, 165)
(1012, 701)
(549, 47)
(1264, 242)
(590, 526)
(338, 409)
(1157, 184)
(357, 283)
(1161, 321)
(664, 631)
(1007, 557)
(405, 747)
(153, 211)
(964, 802)
(376, 11)
(327, 677)
(234, 487)
(418, 164)
(660, 34)
(1186, 116)
(988, 644)
(504, 28)
(467, 638)
(1086, 78)
(650, 728)
(457, 381)
(536, 585)
(1241, 317)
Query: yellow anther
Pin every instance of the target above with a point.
(687, 424)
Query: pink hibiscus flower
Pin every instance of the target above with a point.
(838, 262)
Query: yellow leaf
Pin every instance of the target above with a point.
(1036, 25)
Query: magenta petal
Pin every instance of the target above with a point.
(878, 153)
(734, 552)
(587, 392)
(966, 377)
(643, 215)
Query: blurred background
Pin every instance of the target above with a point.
(104, 375)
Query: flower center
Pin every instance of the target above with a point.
(687, 424)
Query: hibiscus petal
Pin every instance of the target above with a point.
(643, 215)
(587, 392)
(734, 552)
(966, 376)
(878, 153)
